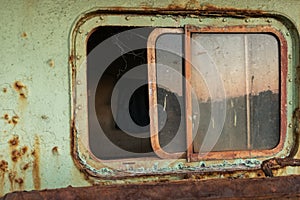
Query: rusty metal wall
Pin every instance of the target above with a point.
(35, 86)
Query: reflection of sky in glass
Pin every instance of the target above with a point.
(237, 57)
(172, 59)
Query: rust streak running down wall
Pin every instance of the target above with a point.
(36, 164)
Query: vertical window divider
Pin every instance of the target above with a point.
(188, 95)
(248, 91)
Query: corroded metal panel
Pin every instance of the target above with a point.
(260, 188)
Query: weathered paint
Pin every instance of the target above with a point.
(35, 87)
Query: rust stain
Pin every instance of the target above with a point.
(14, 141)
(26, 166)
(11, 178)
(55, 150)
(36, 164)
(20, 182)
(21, 89)
(207, 8)
(15, 155)
(3, 165)
(24, 35)
(3, 170)
(276, 163)
(71, 59)
(4, 90)
(18, 85)
(6, 116)
(51, 63)
(24, 150)
(15, 119)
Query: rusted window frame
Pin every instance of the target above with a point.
(190, 155)
(283, 93)
(110, 170)
(152, 87)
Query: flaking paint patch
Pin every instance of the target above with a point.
(36, 164)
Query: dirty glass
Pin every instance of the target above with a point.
(248, 67)
(170, 95)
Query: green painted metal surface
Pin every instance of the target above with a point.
(35, 83)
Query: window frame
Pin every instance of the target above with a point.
(283, 93)
(230, 154)
(111, 169)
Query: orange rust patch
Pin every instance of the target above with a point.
(3, 165)
(71, 58)
(55, 150)
(51, 63)
(24, 150)
(24, 35)
(26, 166)
(207, 8)
(36, 164)
(14, 141)
(6, 117)
(11, 177)
(18, 85)
(15, 155)
(22, 95)
(15, 119)
(19, 180)
(21, 89)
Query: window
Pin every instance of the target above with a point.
(232, 91)
(165, 94)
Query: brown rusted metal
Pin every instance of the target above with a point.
(286, 187)
(283, 90)
(152, 87)
(276, 163)
(188, 96)
(182, 9)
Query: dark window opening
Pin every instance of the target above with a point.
(110, 141)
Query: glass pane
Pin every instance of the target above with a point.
(118, 102)
(247, 67)
(170, 97)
